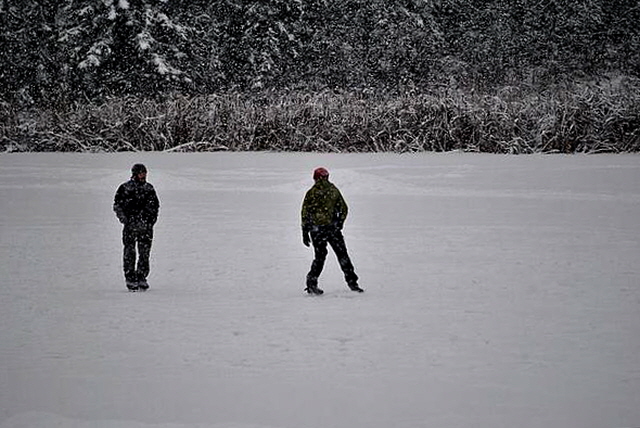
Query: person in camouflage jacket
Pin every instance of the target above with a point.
(136, 205)
(324, 212)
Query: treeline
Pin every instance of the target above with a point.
(70, 61)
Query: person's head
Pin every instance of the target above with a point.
(320, 174)
(139, 172)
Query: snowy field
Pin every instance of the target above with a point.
(501, 291)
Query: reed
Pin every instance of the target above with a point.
(586, 117)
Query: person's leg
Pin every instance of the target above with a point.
(129, 257)
(336, 240)
(145, 239)
(319, 240)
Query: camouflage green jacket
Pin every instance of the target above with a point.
(323, 205)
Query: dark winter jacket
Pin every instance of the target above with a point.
(323, 205)
(136, 204)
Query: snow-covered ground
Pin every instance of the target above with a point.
(501, 291)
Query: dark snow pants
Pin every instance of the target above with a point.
(142, 239)
(320, 237)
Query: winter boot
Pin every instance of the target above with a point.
(354, 287)
(313, 289)
(143, 285)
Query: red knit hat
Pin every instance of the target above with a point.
(319, 173)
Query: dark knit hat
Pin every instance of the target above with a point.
(319, 173)
(138, 169)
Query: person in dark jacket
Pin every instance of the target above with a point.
(136, 205)
(324, 211)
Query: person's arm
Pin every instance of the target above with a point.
(341, 211)
(118, 204)
(305, 220)
(154, 206)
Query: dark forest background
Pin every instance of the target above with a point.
(330, 75)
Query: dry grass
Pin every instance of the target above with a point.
(582, 117)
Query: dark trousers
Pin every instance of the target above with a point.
(320, 237)
(140, 239)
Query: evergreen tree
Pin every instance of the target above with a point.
(57, 51)
(32, 69)
(125, 47)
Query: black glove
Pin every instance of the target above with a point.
(306, 240)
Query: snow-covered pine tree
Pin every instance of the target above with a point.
(125, 46)
(31, 69)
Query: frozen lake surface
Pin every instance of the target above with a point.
(501, 291)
